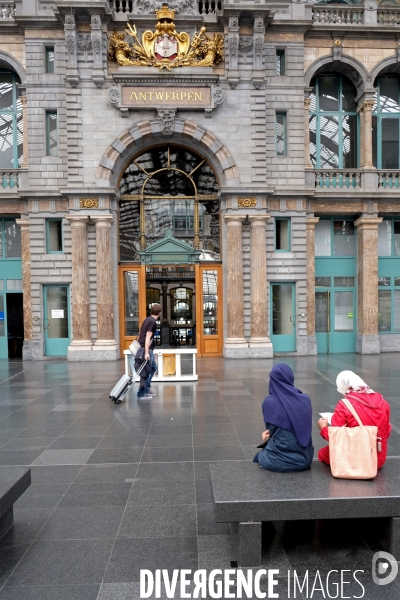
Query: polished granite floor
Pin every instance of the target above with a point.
(119, 488)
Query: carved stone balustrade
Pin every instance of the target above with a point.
(348, 15)
(9, 179)
(389, 16)
(389, 179)
(337, 178)
(7, 11)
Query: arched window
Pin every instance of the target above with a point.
(385, 124)
(169, 189)
(333, 123)
(11, 124)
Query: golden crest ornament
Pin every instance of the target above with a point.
(165, 48)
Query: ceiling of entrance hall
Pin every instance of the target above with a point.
(168, 171)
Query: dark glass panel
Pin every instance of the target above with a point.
(348, 95)
(321, 312)
(384, 310)
(12, 239)
(313, 140)
(129, 231)
(390, 143)
(131, 303)
(396, 238)
(322, 282)
(55, 236)
(343, 281)
(6, 91)
(20, 140)
(329, 142)
(343, 238)
(389, 95)
(210, 239)
(210, 302)
(280, 134)
(328, 94)
(375, 141)
(349, 125)
(52, 135)
(383, 281)
(7, 141)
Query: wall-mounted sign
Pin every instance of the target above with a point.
(1, 316)
(166, 96)
(57, 314)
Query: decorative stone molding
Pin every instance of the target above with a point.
(84, 44)
(97, 43)
(245, 44)
(258, 37)
(114, 95)
(167, 119)
(233, 51)
(337, 49)
(147, 132)
(89, 202)
(181, 7)
(218, 95)
(247, 202)
(72, 74)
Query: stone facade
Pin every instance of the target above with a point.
(236, 133)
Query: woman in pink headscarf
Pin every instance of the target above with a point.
(371, 407)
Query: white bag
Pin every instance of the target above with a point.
(353, 450)
(134, 347)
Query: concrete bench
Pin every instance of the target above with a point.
(13, 483)
(245, 496)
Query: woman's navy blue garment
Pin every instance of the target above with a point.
(286, 406)
(283, 452)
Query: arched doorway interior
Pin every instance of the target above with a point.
(169, 243)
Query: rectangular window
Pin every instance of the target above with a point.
(51, 133)
(14, 284)
(280, 62)
(384, 311)
(383, 281)
(49, 59)
(54, 236)
(281, 134)
(343, 238)
(210, 302)
(322, 282)
(343, 281)
(390, 143)
(323, 238)
(396, 227)
(12, 239)
(282, 235)
(385, 238)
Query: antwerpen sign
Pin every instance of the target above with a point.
(143, 97)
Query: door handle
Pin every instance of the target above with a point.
(291, 320)
(46, 323)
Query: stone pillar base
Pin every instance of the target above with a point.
(260, 348)
(27, 350)
(312, 345)
(302, 345)
(92, 353)
(368, 344)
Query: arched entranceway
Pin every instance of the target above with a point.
(170, 248)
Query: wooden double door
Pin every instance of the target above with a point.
(208, 321)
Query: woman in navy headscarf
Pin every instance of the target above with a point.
(287, 415)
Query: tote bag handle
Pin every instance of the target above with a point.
(353, 411)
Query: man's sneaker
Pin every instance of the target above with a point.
(145, 397)
(152, 392)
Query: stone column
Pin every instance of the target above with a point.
(310, 251)
(81, 339)
(26, 288)
(105, 317)
(235, 344)
(258, 282)
(367, 276)
(365, 110)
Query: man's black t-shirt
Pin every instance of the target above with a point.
(149, 324)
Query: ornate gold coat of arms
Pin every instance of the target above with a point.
(165, 48)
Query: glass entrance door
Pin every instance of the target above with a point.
(283, 317)
(209, 309)
(56, 320)
(334, 321)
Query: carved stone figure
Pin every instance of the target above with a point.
(113, 94)
(180, 7)
(167, 120)
(245, 44)
(218, 95)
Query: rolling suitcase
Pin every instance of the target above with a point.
(123, 386)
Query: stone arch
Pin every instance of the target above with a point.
(348, 66)
(9, 62)
(147, 133)
(387, 65)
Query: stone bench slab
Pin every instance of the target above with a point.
(245, 496)
(13, 483)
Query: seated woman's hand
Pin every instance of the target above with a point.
(265, 435)
(322, 423)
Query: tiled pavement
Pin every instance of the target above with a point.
(118, 488)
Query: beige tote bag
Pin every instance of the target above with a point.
(353, 450)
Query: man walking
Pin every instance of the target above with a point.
(147, 341)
